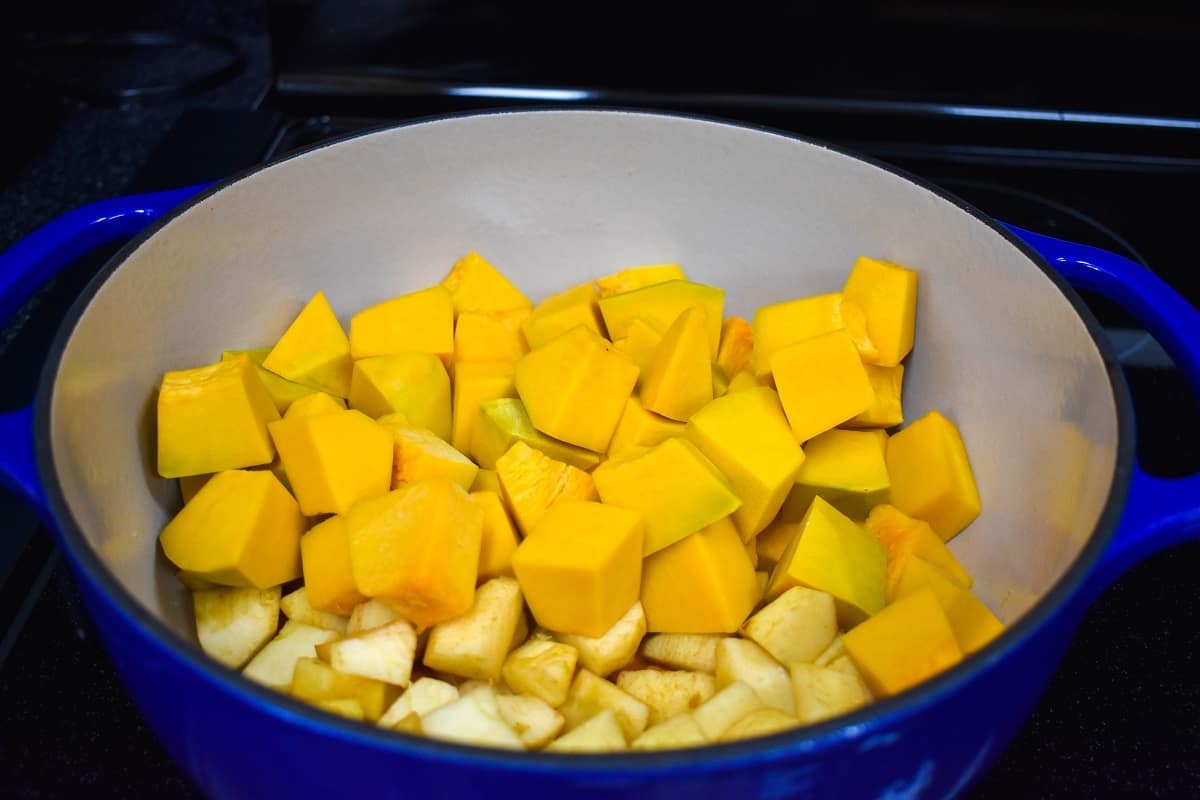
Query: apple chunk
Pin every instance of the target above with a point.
(296, 606)
(609, 652)
(543, 669)
(667, 692)
(274, 664)
(385, 654)
(475, 644)
(680, 730)
(233, 624)
(601, 733)
(530, 717)
(473, 718)
(691, 651)
(425, 695)
(821, 692)
(796, 626)
(591, 694)
(728, 706)
(743, 660)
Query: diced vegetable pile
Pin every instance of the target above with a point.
(618, 519)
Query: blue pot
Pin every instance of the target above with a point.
(1003, 343)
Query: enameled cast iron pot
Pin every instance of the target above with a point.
(1004, 347)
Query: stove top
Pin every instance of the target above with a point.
(1123, 713)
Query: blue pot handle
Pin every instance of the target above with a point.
(1159, 512)
(32, 262)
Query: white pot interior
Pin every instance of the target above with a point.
(554, 198)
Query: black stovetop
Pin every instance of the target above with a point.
(1122, 716)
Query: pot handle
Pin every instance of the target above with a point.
(1159, 512)
(33, 261)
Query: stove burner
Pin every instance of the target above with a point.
(119, 68)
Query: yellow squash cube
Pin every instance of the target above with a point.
(325, 556)
(720, 384)
(575, 387)
(627, 280)
(420, 322)
(904, 644)
(315, 404)
(189, 485)
(661, 304)
(746, 436)
(503, 422)
(679, 380)
(821, 383)
(903, 537)
(490, 337)
(314, 350)
(486, 480)
(213, 418)
(641, 428)
(673, 484)
(475, 285)
(931, 475)
(420, 455)
(701, 584)
(737, 346)
(847, 469)
(887, 294)
(887, 410)
(334, 460)
(283, 392)
(241, 529)
(784, 324)
(773, 542)
(581, 567)
(413, 384)
(973, 623)
(745, 380)
(640, 343)
(417, 549)
(833, 554)
(532, 482)
(499, 540)
(474, 385)
(561, 312)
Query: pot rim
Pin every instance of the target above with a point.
(862, 723)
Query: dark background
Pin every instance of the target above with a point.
(92, 111)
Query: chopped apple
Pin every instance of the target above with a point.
(606, 654)
(475, 644)
(473, 718)
(723, 709)
(821, 693)
(743, 660)
(410, 724)
(274, 664)
(680, 730)
(599, 734)
(423, 696)
(315, 681)
(763, 722)
(297, 607)
(531, 718)
(667, 692)
(385, 654)
(541, 668)
(844, 665)
(796, 626)
(691, 651)
(371, 614)
(233, 624)
(591, 694)
(520, 633)
(836, 649)
(346, 707)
